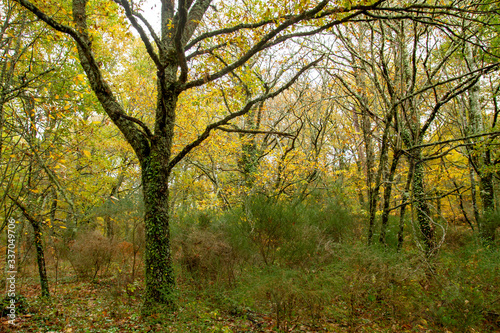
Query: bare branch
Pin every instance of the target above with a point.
(146, 129)
(128, 11)
(205, 51)
(150, 29)
(229, 30)
(492, 134)
(24, 211)
(237, 130)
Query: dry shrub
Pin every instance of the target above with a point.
(126, 256)
(206, 256)
(90, 254)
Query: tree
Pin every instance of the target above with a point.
(188, 25)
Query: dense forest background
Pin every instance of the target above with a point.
(251, 166)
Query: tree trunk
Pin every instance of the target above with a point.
(156, 170)
(110, 230)
(37, 235)
(488, 225)
(40, 258)
(404, 203)
(387, 197)
(474, 195)
(159, 275)
(423, 212)
(482, 160)
(361, 197)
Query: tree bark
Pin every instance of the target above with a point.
(387, 197)
(404, 203)
(474, 194)
(483, 159)
(421, 206)
(40, 258)
(159, 274)
(37, 236)
(488, 225)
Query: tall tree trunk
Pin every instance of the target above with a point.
(474, 194)
(421, 206)
(361, 196)
(387, 197)
(480, 161)
(159, 275)
(487, 197)
(40, 258)
(110, 229)
(366, 128)
(364, 125)
(37, 236)
(404, 203)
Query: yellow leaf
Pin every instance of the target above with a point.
(86, 153)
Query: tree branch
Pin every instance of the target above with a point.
(256, 48)
(237, 130)
(179, 31)
(196, 12)
(150, 29)
(33, 220)
(493, 134)
(149, 48)
(101, 88)
(205, 51)
(203, 136)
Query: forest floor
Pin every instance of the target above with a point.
(347, 287)
(79, 306)
(107, 305)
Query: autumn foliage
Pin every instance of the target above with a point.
(249, 166)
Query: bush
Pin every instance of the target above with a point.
(90, 253)
(20, 302)
(332, 218)
(262, 226)
(281, 233)
(205, 255)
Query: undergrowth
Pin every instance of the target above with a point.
(269, 266)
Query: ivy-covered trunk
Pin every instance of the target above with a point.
(159, 274)
(404, 203)
(487, 226)
(421, 206)
(481, 160)
(156, 170)
(387, 196)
